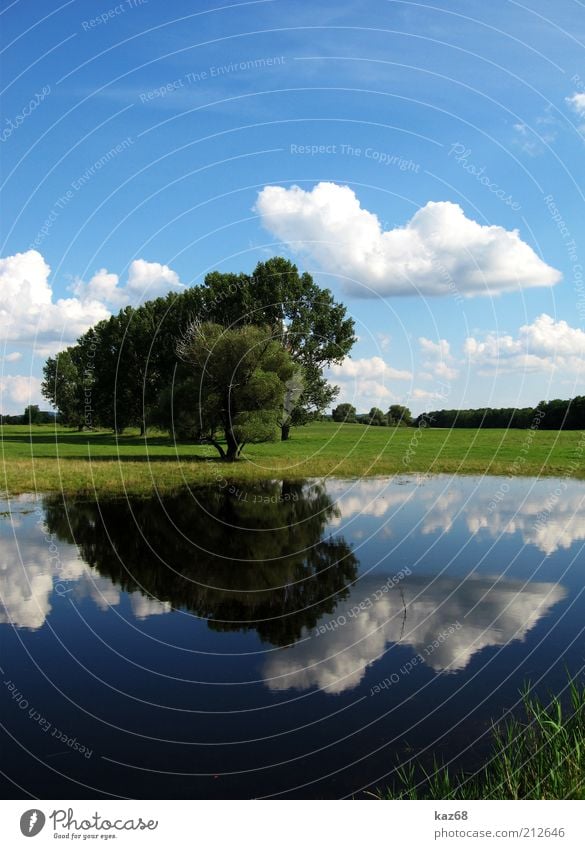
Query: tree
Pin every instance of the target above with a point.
(118, 372)
(62, 386)
(32, 414)
(239, 377)
(294, 388)
(344, 413)
(312, 327)
(399, 415)
(127, 378)
(376, 417)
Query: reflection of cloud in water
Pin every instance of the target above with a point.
(30, 572)
(366, 498)
(143, 607)
(491, 612)
(548, 531)
(441, 501)
(441, 511)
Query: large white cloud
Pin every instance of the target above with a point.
(28, 312)
(31, 315)
(366, 382)
(18, 391)
(146, 280)
(545, 345)
(437, 359)
(438, 252)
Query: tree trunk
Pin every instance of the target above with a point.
(143, 428)
(284, 432)
(219, 448)
(232, 445)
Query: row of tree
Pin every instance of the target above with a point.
(32, 415)
(397, 415)
(547, 415)
(227, 361)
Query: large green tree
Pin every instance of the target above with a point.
(63, 386)
(238, 382)
(118, 372)
(311, 326)
(344, 413)
(376, 417)
(399, 415)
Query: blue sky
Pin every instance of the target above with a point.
(437, 149)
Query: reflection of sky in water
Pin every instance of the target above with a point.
(34, 566)
(444, 619)
(548, 514)
(507, 571)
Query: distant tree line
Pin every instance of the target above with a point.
(32, 415)
(232, 360)
(549, 415)
(397, 415)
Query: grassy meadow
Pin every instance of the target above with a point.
(49, 458)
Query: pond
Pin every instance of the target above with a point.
(290, 639)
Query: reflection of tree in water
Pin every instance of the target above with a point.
(191, 550)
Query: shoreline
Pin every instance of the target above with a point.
(48, 459)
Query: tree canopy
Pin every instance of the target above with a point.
(344, 413)
(118, 372)
(239, 380)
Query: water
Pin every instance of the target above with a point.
(290, 639)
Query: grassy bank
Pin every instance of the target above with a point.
(541, 756)
(45, 458)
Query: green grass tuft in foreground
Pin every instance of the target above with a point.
(49, 458)
(541, 757)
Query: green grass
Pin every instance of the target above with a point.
(45, 458)
(541, 756)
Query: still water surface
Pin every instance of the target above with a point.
(290, 639)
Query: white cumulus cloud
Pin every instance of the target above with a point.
(18, 391)
(437, 359)
(545, 345)
(577, 103)
(439, 251)
(146, 280)
(28, 312)
(366, 382)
